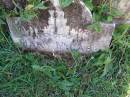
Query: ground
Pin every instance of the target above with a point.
(102, 74)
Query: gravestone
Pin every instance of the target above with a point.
(60, 30)
(123, 7)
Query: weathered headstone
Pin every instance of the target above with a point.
(123, 6)
(60, 30)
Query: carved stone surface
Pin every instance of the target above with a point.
(60, 31)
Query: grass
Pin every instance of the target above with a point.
(102, 74)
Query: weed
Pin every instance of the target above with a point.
(102, 11)
(102, 74)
